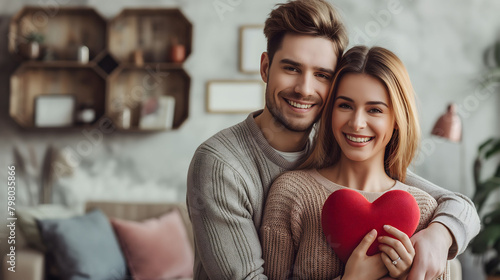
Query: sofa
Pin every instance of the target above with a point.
(31, 264)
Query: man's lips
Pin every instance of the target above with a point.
(299, 105)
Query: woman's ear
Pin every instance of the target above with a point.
(264, 67)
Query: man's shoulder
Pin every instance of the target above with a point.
(226, 138)
(231, 145)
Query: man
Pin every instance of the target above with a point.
(231, 173)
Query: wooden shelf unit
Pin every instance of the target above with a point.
(64, 29)
(110, 78)
(129, 85)
(152, 31)
(30, 81)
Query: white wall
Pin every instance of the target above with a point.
(440, 42)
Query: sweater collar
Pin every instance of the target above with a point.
(268, 150)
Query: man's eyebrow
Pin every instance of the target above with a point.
(367, 103)
(297, 64)
(289, 61)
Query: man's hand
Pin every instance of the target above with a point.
(431, 252)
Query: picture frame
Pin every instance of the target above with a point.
(54, 110)
(157, 113)
(252, 43)
(235, 96)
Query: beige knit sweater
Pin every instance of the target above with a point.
(293, 242)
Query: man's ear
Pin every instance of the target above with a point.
(264, 67)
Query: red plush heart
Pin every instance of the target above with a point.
(347, 217)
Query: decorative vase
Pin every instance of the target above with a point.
(30, 50)
(177, 53)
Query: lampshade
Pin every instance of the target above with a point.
(449, 125)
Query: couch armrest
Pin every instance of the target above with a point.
(29, 265)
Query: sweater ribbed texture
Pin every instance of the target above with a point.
(293, 242)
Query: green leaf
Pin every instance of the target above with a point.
(497, 173)
(496, 50)
(485, 143)
(492, 217)
(485, 239)
(484, 190)
(477, 172)
(494, 150)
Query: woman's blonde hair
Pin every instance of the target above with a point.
(305, 17)
(384, 65)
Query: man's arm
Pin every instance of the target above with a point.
(455, 211)
(226, 240)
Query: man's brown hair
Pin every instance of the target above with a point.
(305, 17)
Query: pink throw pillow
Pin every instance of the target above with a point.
(156, 248)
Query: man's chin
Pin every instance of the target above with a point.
(298, 127)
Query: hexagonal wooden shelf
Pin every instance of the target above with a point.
(129, 86)
(151, 31)
(65, 29)
(31, 80)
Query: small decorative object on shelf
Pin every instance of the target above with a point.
(177, 52)
(85, 115)
(54, 110)
(83, 54)
(139, 57)
(125, 119)
(31, 48)
(157, 112)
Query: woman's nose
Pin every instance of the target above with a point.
(357, 121)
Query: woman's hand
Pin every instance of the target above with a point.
(361, 266)
(397, 253)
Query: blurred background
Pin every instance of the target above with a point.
(442, 44)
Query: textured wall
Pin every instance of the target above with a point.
(440, 42)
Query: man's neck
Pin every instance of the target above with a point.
(278, 136)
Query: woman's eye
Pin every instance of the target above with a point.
(344, 106)
(375, 110)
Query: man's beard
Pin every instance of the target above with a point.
(280, 118)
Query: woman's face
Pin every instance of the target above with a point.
(362, 120)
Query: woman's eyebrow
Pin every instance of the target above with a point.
(367, 103)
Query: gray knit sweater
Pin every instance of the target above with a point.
(228, 180)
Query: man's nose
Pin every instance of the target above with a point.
(305, 84)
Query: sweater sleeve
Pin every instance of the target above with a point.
(280, 226)
(454, 210)
(226, 240)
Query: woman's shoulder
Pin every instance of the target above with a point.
(295, 176)
(294, 181)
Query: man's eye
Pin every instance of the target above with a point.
(326, 77)
(289, 68)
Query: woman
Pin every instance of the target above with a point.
(367, 137)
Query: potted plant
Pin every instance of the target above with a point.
(487, 242)
(31, 48)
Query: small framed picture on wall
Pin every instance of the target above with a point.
(235, 96)
(252, 44)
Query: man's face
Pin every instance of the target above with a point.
(298, 80)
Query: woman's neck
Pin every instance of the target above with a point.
(364, 176)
